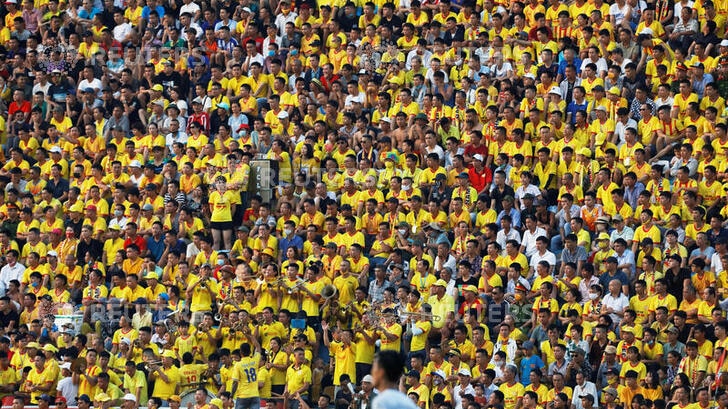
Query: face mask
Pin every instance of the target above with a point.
(118, 213)
(271, 53)
(69, 235)
(402, 231)
(220, 262)
(437, 381)
(294, 52)
(76, 175)
(34, 284)
(593, 296)
(287, 232)
(406, 188)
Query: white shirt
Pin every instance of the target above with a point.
(714, 261)
(456, 394)
(450, 262)
(601, 67)
(282, 19)
(618, 304)
(191, 8)
(529, 240)
(68, 390)
(501, 237)
(121, 223)
(121, 31)
(393, 399)
(9, 273)
(425, 58)
(181, 137)
(267, 41)
(619, 129)
(94, 83)
(587, 389)
(354, 99)
(548, 257)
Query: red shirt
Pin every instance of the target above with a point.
(19, 107)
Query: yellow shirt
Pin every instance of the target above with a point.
(296, 378)
(511, 394)
(245, 372)
(164, 389)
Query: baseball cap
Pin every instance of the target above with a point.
(157, 87)
(131, 397)
(439, 373)
(478, 156)
(440, 283)
(464, 372)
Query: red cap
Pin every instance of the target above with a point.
(91, 207)
(61, 399)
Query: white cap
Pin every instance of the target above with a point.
(464, 371)
(56, 149)
(65, 365)
(283, 115)
(247, 10)
(601, 108)
(530, 75)
(386, 119)
(368, 378)
(135, 164)
(478, 156)
(125, 340)
(130, 396)
(440, 373)
(724, 43)
(555, 90)
(647, 31)
(52, 253)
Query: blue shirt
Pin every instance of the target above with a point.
(573, 108)
(284, 244)
(527, 365)
(156, 248)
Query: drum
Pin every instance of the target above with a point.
(187, 398)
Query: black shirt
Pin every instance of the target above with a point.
(5, 319)
(498, 196)
(94, 247)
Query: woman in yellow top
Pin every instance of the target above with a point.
(222, 207)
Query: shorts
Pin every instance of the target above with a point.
(221, 225)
